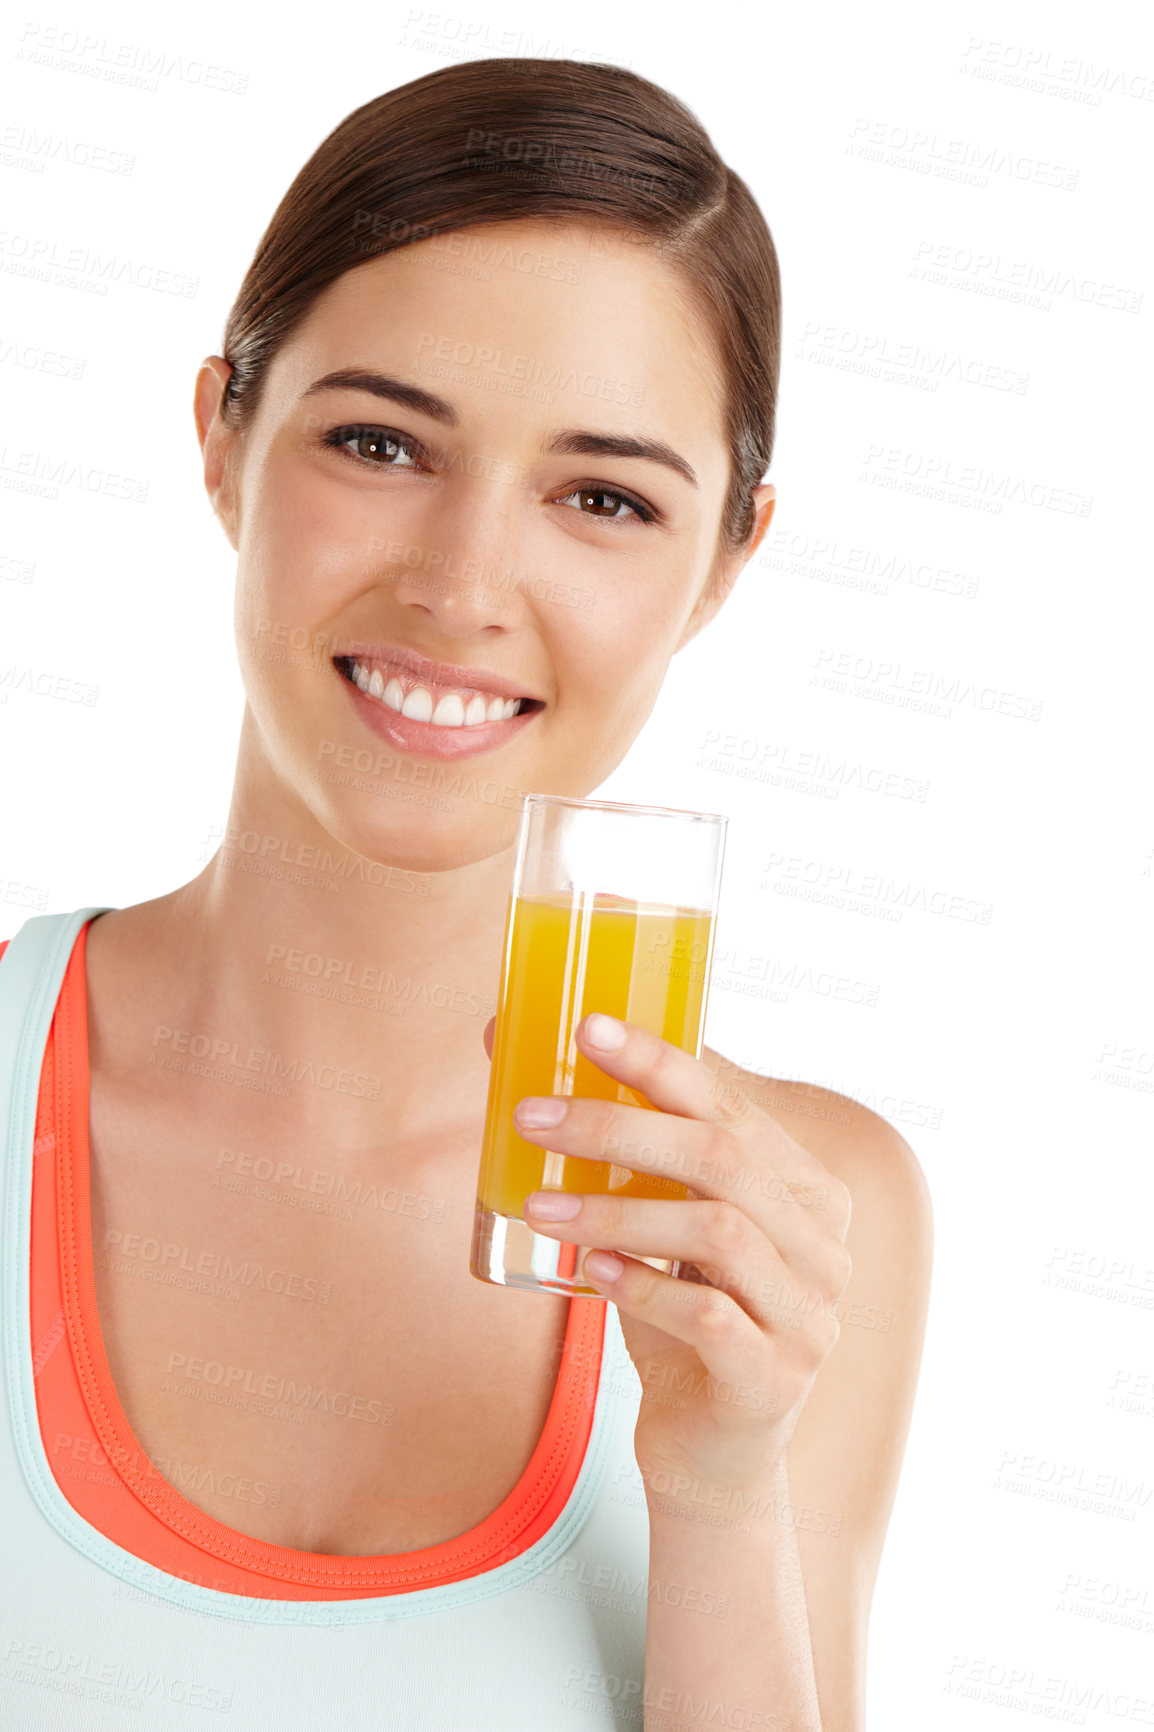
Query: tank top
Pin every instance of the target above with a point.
(119, 1594)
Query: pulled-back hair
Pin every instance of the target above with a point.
(492, 141)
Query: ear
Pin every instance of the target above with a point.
(726, 570)
(218, 443)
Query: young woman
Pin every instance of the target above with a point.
(488, 436)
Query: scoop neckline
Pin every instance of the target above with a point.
(527, 1514)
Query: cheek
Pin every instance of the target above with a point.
(297, 548)
(617, 651)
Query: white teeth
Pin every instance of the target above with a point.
(418, 706)
(450, 712)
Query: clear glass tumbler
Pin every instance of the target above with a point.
(612, 909)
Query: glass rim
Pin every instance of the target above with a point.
(623, 806)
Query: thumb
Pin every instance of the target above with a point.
(487, 1036)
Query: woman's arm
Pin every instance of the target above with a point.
(776, 1392)
(727, 1641)
(783, 1609)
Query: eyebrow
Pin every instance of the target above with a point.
(571, 442)
(393, 390)
(575, 443)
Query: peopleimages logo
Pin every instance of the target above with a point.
(916, 688)
(42, 474)
(1028, 67)
(228, 1060)
(165, 1255)
(81, 266)
(46, 685)
(100, 1678)
(134, 64)
(783, 765)
(531, 369)
(950, 265)
(31, 358)
(860, 568)
(938, 477)
(241, 1380)
(960, 159)
(877, 894)
(280, 851)
(27, 147)
(876, 355)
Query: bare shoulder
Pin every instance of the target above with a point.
(845, 1457)
(859, 1147)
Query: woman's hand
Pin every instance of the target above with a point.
(727, 1356)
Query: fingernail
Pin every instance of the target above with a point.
(604, 1032)
(552, 1205)
(539, 1112)
(602, 1266)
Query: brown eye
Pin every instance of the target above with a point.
(608, 504)
(373, 445)
(601, 504)
(376, 445)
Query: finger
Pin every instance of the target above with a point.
(704, 1157)
(716, 1239)
(487, 1035)
(730, 1344)
(675, 1082)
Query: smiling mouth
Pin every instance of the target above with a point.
(398, 689)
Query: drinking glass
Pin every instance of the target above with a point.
(612, 909)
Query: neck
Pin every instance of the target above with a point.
(289, 943)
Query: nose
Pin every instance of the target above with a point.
(465, 573)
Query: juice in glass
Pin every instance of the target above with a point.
(643, 965)
(570, 951)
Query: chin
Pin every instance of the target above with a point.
(439, 835)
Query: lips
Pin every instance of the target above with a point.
(413, 668)
(433, 708)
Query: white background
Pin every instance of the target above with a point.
(959, 197)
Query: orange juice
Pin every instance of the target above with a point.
(564, 957)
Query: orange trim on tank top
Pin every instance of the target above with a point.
(106, 1476)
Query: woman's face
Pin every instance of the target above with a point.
(514, 492)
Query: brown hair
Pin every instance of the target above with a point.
(490, 141)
